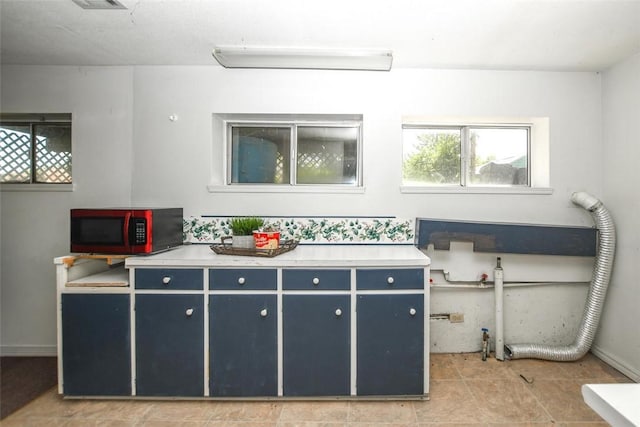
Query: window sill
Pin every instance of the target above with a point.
(477, 190)
(37, 187)
(315, 189)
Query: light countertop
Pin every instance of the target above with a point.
(303, 255)
(618, 404)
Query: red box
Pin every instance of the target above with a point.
(267, 239)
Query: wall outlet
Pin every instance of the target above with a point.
(456, 317)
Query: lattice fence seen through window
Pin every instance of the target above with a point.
(320, 160)
(15, 159)
(15, 156)
(322, 163)
(325, 167)
(52, 166)
(279, 177)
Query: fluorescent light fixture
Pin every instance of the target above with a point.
(310, 59)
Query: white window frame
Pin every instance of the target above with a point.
(223, 123)
(34, 118)
(538, 154)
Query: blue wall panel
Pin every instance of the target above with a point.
(509, 238)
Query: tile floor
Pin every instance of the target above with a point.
(465, 391)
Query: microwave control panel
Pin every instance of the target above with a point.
(140, 228)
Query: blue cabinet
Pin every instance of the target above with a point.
(169, 344)
(243, 345)
(390, 344)
(96, 344)
(316, 345)
(391, 332)
(302, 329)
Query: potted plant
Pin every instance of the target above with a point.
(242, 229)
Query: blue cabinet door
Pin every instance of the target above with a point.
(169, 345)
(390, 344)
(243, 345)
(96, 345)
(316, 345)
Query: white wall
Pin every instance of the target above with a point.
(127, 150)
(188, 160)
(174, 159)
(35, 225)
(619, 334)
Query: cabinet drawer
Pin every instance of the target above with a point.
(250, 279)
(380, 279)
(316, 279)
(169, 278)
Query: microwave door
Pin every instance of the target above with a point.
(100, 233)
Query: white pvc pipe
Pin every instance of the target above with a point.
(474, 285)
(586, 200)
(498, 277)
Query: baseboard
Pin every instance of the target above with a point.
(28, 350)
(614, 363)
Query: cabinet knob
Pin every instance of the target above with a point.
(241, 281)
(338, 312)
(412, 311)
(390, 280)
(316, 281)
(264, 312)
(189, 312)
(166, 280)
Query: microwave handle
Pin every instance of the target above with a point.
(127, 221)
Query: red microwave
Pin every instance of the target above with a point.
(125, 231)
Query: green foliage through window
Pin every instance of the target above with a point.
(465, 156)
(434, 157)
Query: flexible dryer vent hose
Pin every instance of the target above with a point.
(595, 298)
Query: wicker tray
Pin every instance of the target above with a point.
(226, 249)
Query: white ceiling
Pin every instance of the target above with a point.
(588, 35)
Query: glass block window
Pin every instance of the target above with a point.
(35, 149)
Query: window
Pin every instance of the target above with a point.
(295, 153)
(35, 149)
(466, 156)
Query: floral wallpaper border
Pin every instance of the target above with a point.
(343, 230)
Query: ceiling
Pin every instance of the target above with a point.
(563, 35)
